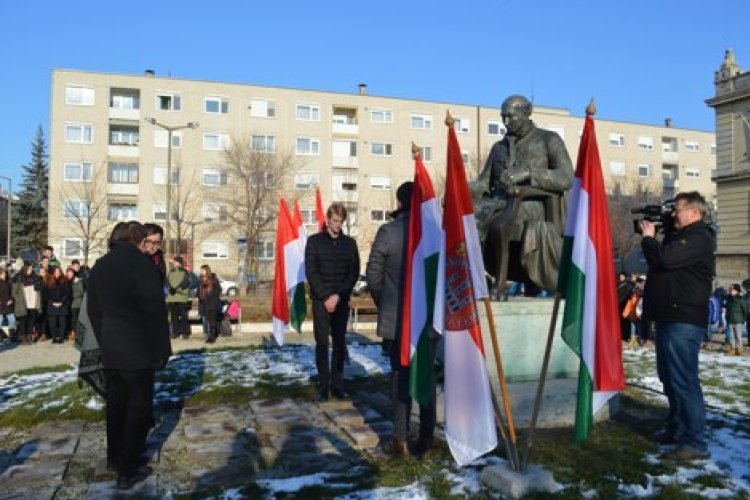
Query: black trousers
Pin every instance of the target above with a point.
(129, 412)
(56, 326)
(178, 315)
(325, 323)
(26, 324)
(402, 399)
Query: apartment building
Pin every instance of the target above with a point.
(732, 176)
(109, 162)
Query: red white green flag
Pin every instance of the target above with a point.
(423, 251)
(320, 214)
(591, 323)
(297, 292)
(290, 257)
(469, 418)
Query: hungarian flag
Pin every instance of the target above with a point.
(290, 257)
(299, 305)
(320, 214)
(469, 419)
(423, 251)
(591, 323)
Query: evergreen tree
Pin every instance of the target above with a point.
(31, 204)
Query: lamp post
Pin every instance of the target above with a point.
(9, 208)
(170, 131)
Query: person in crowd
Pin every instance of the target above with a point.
(714, 318)
(77, 291)
(178, 283)
(81, 271)
(332, 265)
(42, 331)
(209, 297)
(129, 318)
(736, 316)
(633, 311)
(386, 280)
(57, 296)
(624, 293)
(681, 269)
(6, 307)
(154, 238)
(49, 254)
(27, 300)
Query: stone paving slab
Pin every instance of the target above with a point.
(106, 490)
(302, 443)
(48, 429)
(40, 448)
(336, 404)
(271, 407)
(216, 450)
(210, 430)
(362, 436)
(282, 424)
(31, 474)
(43, 493)
(208, 413)
(345, 417)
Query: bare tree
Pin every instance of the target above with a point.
(187, 205)
(623, 197)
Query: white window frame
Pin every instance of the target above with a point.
(214, 212)
(692, 172)
(79, 95)
(84, 130)
(313, 110)
(262, 108)
(501, 130)
(75, 241)
(649, 170)
(313, 146)
(76, 209)
(713, 149)
(210, 173)
(124, 173)
(645, 142)
(266, 250)
(462, 125)
(269, 143)
(466, 157)
(380, 183)
(175, 101)
(222, 103)
(383, 148)
(618, 168)
(122, 215)
(381, 115)
(84, 171)
(378, 215)
(160, 175)
(161, 137)
(423, 121)
(616, 140)
(692, 146)
(306, 181)
(215, 250)
(345, 182)
(221, 139)
(268, 179)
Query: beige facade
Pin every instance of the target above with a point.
(107, 163)
(732, 105)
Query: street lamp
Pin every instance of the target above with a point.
(9, 207)
(170, 131)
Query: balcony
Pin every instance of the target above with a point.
(346, 161)
(124, 114)
(122, 189)
(124, 150)
(345, 196)
(345, 121)
(346, 129)
(670, 156)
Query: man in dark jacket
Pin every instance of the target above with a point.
(332, 265)
(386, 281)
(129, 319)
(680, 272)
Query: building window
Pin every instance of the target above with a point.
(217, 105)
(77, 171)
(381, 116)
(617, 140)
(76, 209)
(124, 99)
(262, 108)
(308, 216)
(378, 215)
(215, 250)
(645, 143)
(266, 250)
(213, 177)
(465, 157)
(421, 122)
(426, 154)
(494, 127)
(343, 182)
(305, 181)
(713, 149)
(262, 179)
(380, 183)
(308, 112)
(72, 247)
(215, 141)
(122, 136)
(125, 173)
(669, 144)
(461, 125)
(693, 173)
(693, 146)
(263, 143)
(308, 146)
(161, 139)
(617, 168)
(168, 101)
(381, 149)
(122, 211)
(214, 212)
(77, 95)
(79, 133)
(160, 175)
(644, 170)
(160, 211)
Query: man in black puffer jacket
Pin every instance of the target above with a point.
(332, 266)
(680, 272)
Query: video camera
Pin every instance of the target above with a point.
(659, 215)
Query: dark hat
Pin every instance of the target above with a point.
(403, 195)
(179, 260)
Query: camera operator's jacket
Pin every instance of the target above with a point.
(680, 273)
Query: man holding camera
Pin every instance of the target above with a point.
(681, 269)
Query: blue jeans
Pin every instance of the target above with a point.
(677, 348)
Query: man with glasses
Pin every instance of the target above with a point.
(680, 272)
(152, 247)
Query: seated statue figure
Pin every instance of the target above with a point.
(520, 197)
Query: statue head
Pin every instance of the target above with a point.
(516, 114)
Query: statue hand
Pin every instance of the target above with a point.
(509, 178)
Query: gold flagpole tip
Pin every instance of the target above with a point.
(449, 120)
(414, 149)
(591, 108)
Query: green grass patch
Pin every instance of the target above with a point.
(43, 408)
(42, 370)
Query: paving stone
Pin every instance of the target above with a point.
(282, 423)
(336, 404)
(210, 430)
(38, 448)
(30, 474)
(302, 443)
(42, 493)
(271, 407)
(106, 490)
(363, 436)
(216, 450)
(209, 413)
(371, 415)
(345, 417)
(49, 429)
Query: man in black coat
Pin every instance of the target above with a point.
(332, 266)
(129, 318)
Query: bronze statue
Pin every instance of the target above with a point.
(520, 202)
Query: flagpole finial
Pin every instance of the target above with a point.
(591, 108)
(449, 120)
(414, 149)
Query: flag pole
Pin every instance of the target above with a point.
(542, 379)
(501, 425)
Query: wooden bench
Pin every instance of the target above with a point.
(362, 309)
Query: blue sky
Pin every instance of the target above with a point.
(643, 60)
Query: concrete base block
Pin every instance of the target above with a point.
(514, 484)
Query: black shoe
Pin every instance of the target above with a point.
(665, 437)
(211, 340)
(322, 394)
(338, 393)
(127, 481)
